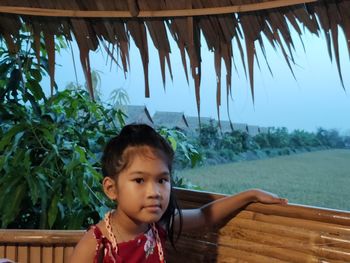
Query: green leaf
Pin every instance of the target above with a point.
(173, 143)
(34, 86)
(4, 68)
(53, 210)
(36, 74)
(82, 192)
(12, 207)
(68, 197)
(43, 205)
(9, 134)
(33, 187)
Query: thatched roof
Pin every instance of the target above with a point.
(226, 126)
(137, 114)
(112, 23)
(242, 127)
(194, 123)
(170, 120)
(253, 130)
(263, 129)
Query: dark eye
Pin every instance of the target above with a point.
(139, 180)
(163, 180)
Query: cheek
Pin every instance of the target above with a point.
(166, 192)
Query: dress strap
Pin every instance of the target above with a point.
(111, 235)
(159, 244)
(113, 238)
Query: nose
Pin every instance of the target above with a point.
(153, 190)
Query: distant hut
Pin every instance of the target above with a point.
(193, 123)
(138, 114)
(242, 127)
(263, 129)
(170, 120)
(225, 127)
(253, 130)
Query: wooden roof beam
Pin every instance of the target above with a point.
(148, 14)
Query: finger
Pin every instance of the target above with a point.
(283, 200)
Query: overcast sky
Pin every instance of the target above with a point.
(315, 99)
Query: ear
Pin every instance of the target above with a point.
(110, 188)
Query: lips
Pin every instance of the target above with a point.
(153, 208)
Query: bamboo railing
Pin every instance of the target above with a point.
(259, 233)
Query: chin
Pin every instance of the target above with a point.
(152, 219)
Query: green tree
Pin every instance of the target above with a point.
(50, 148)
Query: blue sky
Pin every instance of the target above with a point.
(315, 99)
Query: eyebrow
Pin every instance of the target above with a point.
(163, 173)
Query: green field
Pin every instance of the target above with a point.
(319, 178)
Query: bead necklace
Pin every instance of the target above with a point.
(113, 238)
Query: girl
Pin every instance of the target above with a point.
(137, 166)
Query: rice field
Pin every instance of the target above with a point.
(319, 178)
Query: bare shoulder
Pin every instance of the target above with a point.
(85, 250)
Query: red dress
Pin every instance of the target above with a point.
(141, 249)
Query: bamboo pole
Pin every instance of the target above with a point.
(280, 230)
(11, 252)
(47, 254)
(227, 255)
(35, 254)
(267, 251)
(67, 252)
(33, 11)
(307, 246)
(59, 254)
(192, 199)
(23, 254)
(295, 222)
(2, 251)
(40, 237)
(305, 212)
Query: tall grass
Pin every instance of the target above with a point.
(318, 178)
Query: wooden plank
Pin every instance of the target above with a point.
(67, 252)
(47, 254)
(11, 252)
(23, 254)
(2, 251)
(59, 254)
(34, 254)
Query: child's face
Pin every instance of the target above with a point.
(143, 187)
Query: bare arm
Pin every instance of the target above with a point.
(85, 249)
(216, 211)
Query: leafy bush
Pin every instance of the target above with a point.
(50, 149)
(50, 162)
(278, 137)
(233, 141)
(330, 138)
(186, 154)
(209, 135)
(262, 140)
(301, 138)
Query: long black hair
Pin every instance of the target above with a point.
(114, 161)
